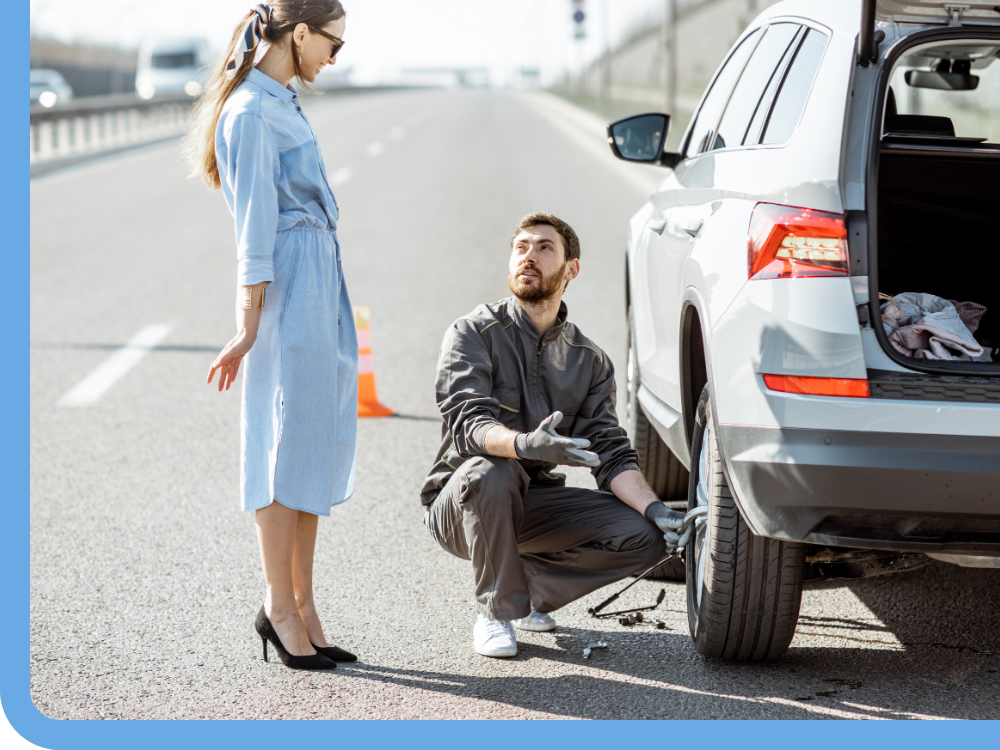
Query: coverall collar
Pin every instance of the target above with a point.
(524, 322)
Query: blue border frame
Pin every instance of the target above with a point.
(49, 733)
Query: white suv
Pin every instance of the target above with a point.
(842, 169)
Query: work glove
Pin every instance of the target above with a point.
(671, 522)
(545, 444)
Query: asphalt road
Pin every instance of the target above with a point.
(145, 575)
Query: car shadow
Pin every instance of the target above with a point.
(926, 638)
(941, 606)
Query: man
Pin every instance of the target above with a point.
(521, 390)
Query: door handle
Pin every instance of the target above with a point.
(694, 227)
(658, 225)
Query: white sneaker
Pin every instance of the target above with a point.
(540, 622)
(493, 637)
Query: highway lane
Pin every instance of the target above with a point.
(145, 575)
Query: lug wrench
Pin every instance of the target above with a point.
(689, 517)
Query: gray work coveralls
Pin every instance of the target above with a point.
(531, 539)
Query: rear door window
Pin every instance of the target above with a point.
(703, 130)
(748, 97)
(794, 92)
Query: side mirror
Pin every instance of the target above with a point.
(641, 139)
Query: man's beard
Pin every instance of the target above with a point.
(545, 288)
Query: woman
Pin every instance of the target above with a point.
(294, 321)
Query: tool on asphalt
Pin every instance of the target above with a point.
(599, 644)
(659, 600)
(368, 403)
(692, 517)
(545, 444)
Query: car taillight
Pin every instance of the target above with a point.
(809, 386)
(794, 243)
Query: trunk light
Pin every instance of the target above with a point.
(795, 243)
(817, 386)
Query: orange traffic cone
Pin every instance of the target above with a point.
(368, 403)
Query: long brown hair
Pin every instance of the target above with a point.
(199, 145)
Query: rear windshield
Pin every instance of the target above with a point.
(173, 60)
(958, 81)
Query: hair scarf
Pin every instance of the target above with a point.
(252, 35)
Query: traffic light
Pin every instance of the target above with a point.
(579, 17)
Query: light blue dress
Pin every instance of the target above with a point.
(300, 379)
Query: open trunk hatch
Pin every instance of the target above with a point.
(921, 13)
(930, 12)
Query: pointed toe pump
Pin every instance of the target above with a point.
(335, 654)
(267, 633)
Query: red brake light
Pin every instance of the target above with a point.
(817, 386)
(794, 243)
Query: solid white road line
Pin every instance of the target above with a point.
(375, 149)
(397, 133)
(341, 176)
(115, 367)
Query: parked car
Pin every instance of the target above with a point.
(48, 87)
(172, 66)
(844, 154)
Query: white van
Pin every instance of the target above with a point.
(172, 66)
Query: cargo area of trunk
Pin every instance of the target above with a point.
(937, 231)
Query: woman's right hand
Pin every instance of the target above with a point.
(228, 361)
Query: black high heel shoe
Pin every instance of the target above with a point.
(335, 654)
(266, 632)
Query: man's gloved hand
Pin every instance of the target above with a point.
(670, 522)
(545, 444)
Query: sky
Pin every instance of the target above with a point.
(382, 36)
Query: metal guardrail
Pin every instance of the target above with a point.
(104, 123)
(85, 128)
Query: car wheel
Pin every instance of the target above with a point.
(743, 590)
(663, 472)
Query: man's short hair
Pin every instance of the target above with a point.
(571, 242)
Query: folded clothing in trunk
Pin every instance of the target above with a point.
(924, 326)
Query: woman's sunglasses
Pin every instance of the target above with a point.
(337, 43)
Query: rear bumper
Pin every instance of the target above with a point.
(869, 490)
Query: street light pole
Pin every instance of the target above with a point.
(605, 8)
(670, 54)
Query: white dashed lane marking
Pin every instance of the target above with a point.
(374, 150)
(115, 367)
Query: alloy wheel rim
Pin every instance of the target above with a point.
(630, 386)
(701, 529)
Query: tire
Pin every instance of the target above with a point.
(743, 590)
(663, 472)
